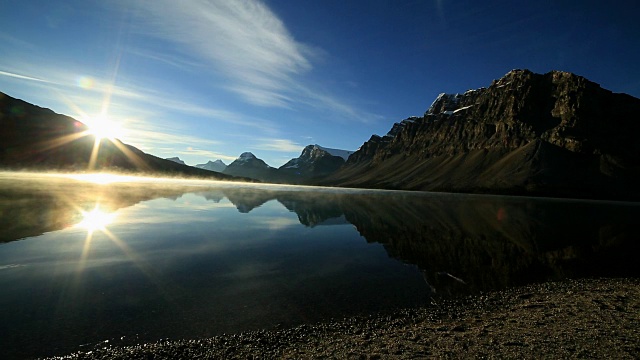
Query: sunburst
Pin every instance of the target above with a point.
(103, 127)
(96, 219)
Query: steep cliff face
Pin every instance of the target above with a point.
(553, 134)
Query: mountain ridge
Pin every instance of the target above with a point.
(315, 161)
(554, 134)
(37, 138)
(248, 165)
(217, 166)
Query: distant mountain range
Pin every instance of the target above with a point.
(313, 163)
(554, 134)
(217, 166)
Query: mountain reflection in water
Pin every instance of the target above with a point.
(491, 241)
(179, 246)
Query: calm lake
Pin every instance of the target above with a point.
(85, 260)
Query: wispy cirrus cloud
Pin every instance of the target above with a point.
(278, 223)
(206, 154)
(163, 137)
(21, 77)
(279, 145)
(244, 39)
(246, 42)
(62, 80)
(82, 90)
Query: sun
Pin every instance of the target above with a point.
(95, 220)
(103, 127)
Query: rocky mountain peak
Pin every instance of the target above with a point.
(534, 115)
(248, 165)
(217, 165)
(246, 156)
(176, 160)
(444, 103)
(314, 161)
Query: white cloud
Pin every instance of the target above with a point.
(243, 38)
(22, 77)
(280, 145)
(250, 45)
(212, 113)
(211, 155)
(278, 223)
(162, 138)
(85, 93)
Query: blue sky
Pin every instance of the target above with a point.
(206, 80)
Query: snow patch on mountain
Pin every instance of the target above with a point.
(246, 156)
(462, 108)
(217, 165)
(247, 159)
(336, 152)
(176, 160)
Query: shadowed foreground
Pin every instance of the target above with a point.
(586, 318)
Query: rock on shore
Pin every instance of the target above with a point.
(596, 318)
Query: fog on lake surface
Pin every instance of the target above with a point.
(88, 259)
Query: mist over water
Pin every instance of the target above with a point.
(88, 259)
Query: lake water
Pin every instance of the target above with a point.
(84, 260)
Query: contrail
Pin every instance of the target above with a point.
(18, 76)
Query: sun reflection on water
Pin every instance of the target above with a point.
(96, 219)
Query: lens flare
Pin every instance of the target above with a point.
(85, 82)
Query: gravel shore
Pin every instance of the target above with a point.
(595, 318)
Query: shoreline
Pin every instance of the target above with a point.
(597, 318)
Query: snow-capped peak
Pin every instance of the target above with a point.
(176, 160)
(217, 165)
(335, 152)
(246, 156)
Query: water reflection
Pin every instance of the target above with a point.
(468, 243)
(488, 242)
(96, 219)
(190, 259)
